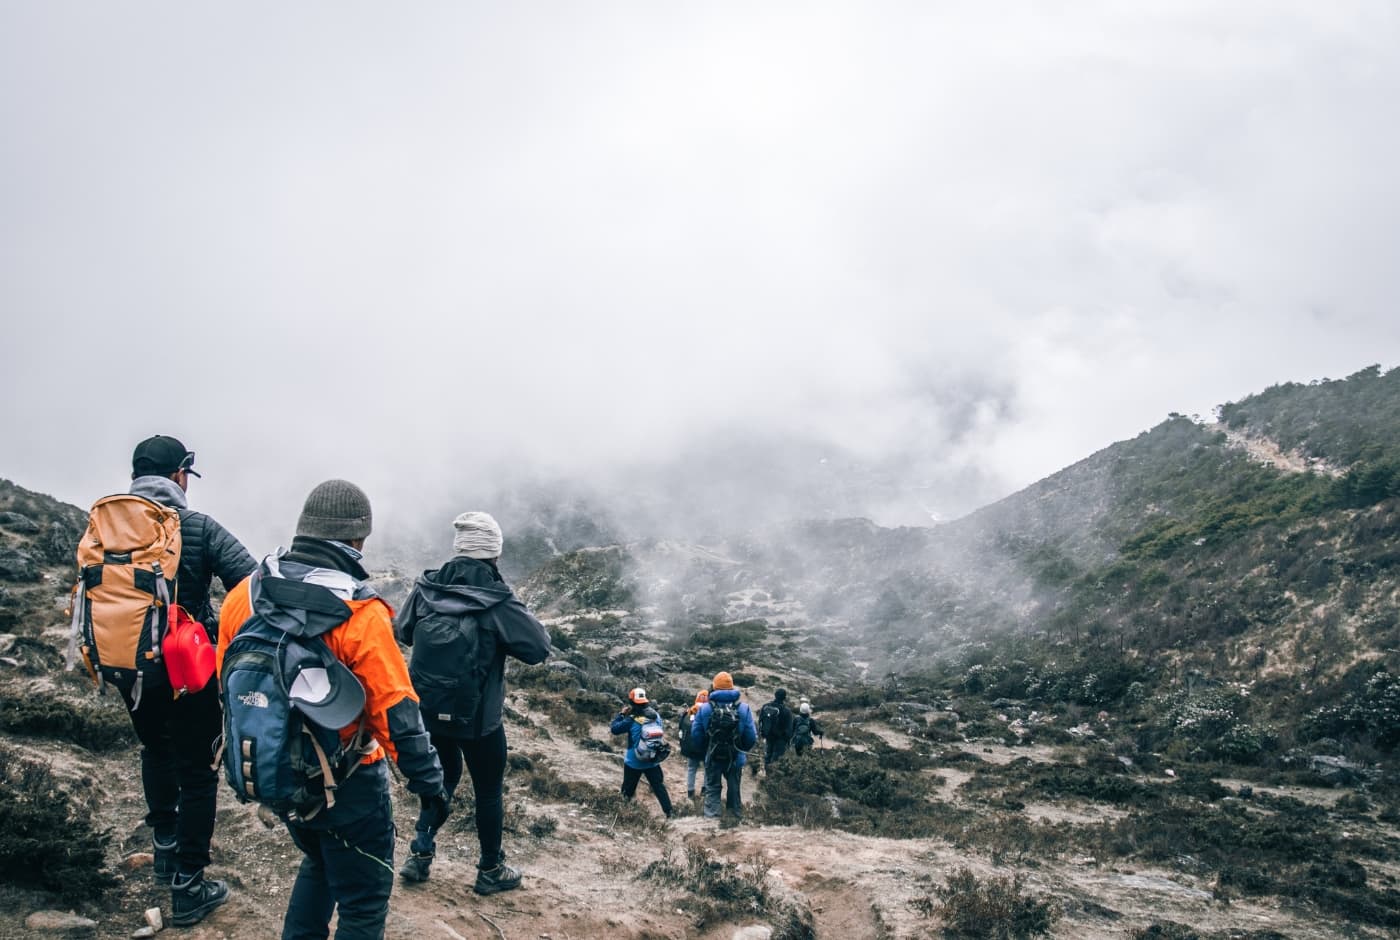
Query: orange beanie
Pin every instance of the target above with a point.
(723, 680)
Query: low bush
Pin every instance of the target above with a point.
(994, 907)
(48, 837)
(101, 724)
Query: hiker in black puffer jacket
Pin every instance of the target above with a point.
(462, 621)
(178, 735)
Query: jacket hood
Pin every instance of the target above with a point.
(459, 599)
(724, 696)
(161, 490)
(301, 599)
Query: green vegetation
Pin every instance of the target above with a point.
(994, 907)
(48, 837)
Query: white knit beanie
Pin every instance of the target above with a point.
(478, 535)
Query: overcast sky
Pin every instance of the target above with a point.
(430, 245)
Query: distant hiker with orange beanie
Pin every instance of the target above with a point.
(726, 727)
(462, 621)
(348, 846)
(692, 749)
(178, 732)
(646, 748)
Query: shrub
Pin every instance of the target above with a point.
(98, 725)
(49, 839)
(994, 907)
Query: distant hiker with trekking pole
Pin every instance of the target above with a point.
(775, 727)
(462, 621)
(145, 566)
(804, 729)
(692, 749)
(316, 694)
(726, 727)
(646, 748)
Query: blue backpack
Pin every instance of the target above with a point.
(273, 752)
(652, 745)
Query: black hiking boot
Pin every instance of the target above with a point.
(500, 878)
(415, 868)
(166, 865)
(193, 897)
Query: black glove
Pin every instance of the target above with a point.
(434, 811)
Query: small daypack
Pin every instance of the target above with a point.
(273, 753)
(768, 719)
(652, 745)
(802, 730)
(723, 734)
(447, 670)
(128, 561)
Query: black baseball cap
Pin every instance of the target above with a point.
(161, 456)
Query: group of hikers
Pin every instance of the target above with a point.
(306, 691)
(716, 733)
(298, 688)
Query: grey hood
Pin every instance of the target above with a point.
(161, 490)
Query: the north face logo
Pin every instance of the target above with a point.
(253, 699)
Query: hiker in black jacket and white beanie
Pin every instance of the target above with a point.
(462, 621)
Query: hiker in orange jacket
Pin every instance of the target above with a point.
(348, 849)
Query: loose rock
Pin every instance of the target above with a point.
(61, 924)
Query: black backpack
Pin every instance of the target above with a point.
(446, 669)
(723, 734)
(768, 719)
(802, 731)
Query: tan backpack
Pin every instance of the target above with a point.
(128, 560)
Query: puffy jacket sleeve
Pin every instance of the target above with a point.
(227, 557)
(620, 723)
(748, 731)
(519, 633)
(365, 643)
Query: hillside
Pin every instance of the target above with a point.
(1156, 694)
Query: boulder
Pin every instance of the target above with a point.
(16, 565)
(18, 523)
(61, 924)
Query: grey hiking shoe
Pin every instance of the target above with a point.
(193, 897)
(500, 878)
(166, 865)
(416, 867)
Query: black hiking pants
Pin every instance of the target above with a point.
(631, 776)
(485, 760)
(178, 739)
(347, 865)
(773, 752)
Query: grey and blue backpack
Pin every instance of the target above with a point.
(274, 753)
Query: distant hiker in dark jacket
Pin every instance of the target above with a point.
(775, 727)
(726, 727)
(179, 735)
(636, 715)
(347, 849)
(804, 729)
(692, 748)
(462, 621)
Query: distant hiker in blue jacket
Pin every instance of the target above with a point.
(637, 715)
(727, 728)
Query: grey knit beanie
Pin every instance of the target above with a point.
(336, 509)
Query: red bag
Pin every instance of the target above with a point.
(188, 654)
